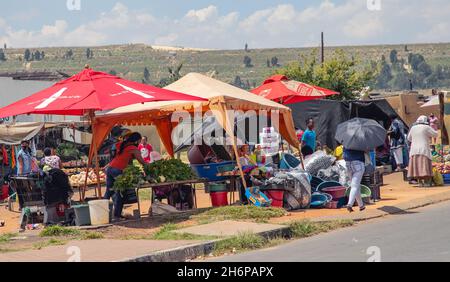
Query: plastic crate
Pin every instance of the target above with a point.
(210, 171)
(252, 194)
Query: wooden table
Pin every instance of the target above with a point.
(234, 177)
(172, 185)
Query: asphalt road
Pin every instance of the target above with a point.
(418, 235)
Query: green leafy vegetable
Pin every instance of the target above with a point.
(168, 171)
(129, 179)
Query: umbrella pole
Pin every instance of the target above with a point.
(97, 166)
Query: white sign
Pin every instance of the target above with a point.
(374, 5)
(73, 5)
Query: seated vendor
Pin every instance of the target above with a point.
(244, 158)
(51, 160)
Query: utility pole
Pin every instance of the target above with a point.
(322, 53)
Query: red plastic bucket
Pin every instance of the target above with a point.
(219, 199)
(276, 196)
(5, 192)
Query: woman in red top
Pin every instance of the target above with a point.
(127, 152)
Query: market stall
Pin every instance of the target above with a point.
(221, 98)
(87, 92)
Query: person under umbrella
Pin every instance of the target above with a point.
(358, 136)
(127, 152)
(420, 160)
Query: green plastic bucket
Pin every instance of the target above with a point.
(217, 187)
(82, 215)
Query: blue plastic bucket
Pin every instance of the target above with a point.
(289, 162)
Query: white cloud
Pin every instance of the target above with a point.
(347, 22)
(203, 15)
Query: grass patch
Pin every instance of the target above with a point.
(306, 228)
(55, 230)
(245, 241)
(239, 213)
(50, 242)
(5, 238)
(166, 233)
(8, 250)
(91, 236)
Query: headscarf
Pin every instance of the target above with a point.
(422, 120)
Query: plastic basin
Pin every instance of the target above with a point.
(318, 200)
(365, 192)
(327, 184)
(289, 162)
(336, 192)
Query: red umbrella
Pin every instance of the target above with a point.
(90, 91)
(280, 89)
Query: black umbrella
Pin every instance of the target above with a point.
(360, 134)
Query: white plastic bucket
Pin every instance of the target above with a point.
(99, 212)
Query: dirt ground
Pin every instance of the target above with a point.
(395, 191)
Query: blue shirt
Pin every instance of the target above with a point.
(309, 137)
(353, 155)
(26, 160)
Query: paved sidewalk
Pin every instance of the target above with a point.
(229, 228)
(93, 251)
(397, 197)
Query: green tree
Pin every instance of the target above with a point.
(401, 81)
(393, 57)
(27, 55)
(112, 72)
(146, 75)
(384, 76)
(415, 60)
(238, 82)
(88, 53)
(274, 62)
(2, 55)
(248, 62)
(68, 54)
(174, 75)
(37, 55)
(268, 63)
(338, 73)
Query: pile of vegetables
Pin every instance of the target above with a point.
(168, 171)
(130, 178)
(68, 152)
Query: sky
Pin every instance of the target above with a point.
(225, 24)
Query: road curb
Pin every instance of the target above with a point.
(390, 210)
(193, 251)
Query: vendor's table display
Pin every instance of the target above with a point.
(171, 186)
(170, 174)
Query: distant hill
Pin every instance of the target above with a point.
(130, 60)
